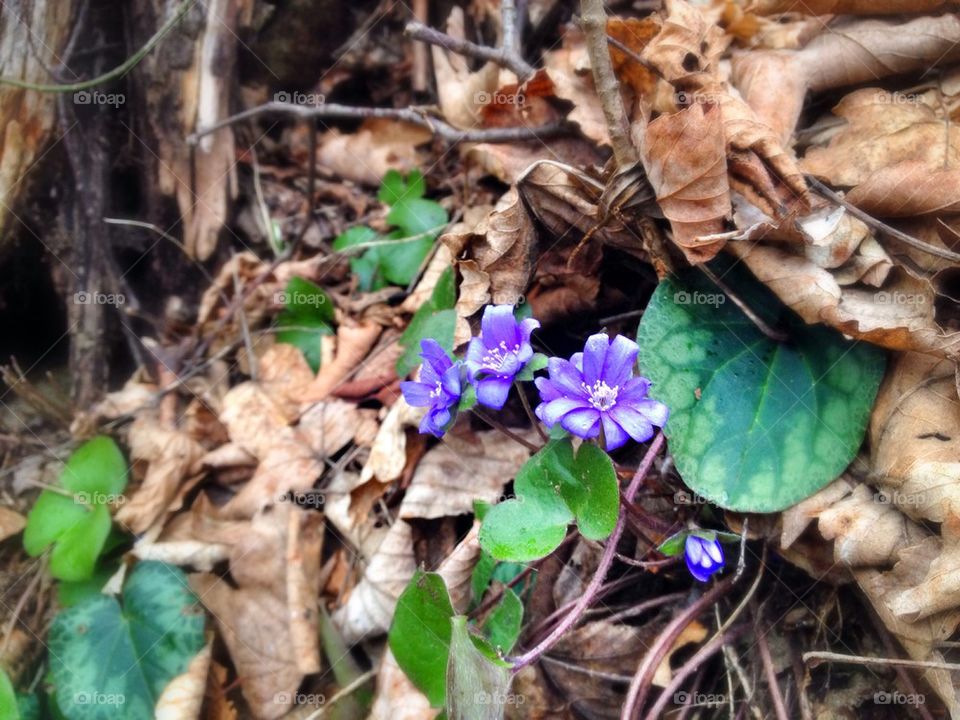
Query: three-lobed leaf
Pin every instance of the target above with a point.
(755, 425)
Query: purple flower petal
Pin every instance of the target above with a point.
(527, 327)
(548, 389)
(493, 391)
(693, 550)
(450, 381)
(697, 572)
(582, 423)
(417, 394)
(635, 388)
(433, 354)
(613, 434)
(656, 412)
(552, 412)
(499, 326)
(618, 366)
(566, 378)
(594, 355)
(474, 357)
(636, 425)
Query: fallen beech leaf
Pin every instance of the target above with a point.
(172, 455)
(182, 698)
(11, 522)
(915, 438)
(366, 154)
(881, 131)
(460, 470)
(906, 189)
(684, 155)
(353, 344)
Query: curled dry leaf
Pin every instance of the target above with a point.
(354, 342)
(458, 89)
(684, 155)
(183, 696)
(172, 457)
(906, 189)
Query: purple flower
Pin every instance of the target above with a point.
(438, 388)
(499, 353)
(704, 557)
(596, 388)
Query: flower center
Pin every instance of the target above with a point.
(436, 392)
(498, 355)
(602, 396)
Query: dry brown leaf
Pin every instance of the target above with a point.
(460, 470)
(847, 7)
(396, 697)
(183, 696)
(882, 131)
(172, 457)
(569, 68)
(907, 189)
(367, 153)
(269, 620)
(684, 155)
(388, 456)
(11, 522)
(354, 342)
(915, 438)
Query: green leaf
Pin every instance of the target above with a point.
(554, 488)
(418, 216)
(482, 572)
(308, 315)
(420, 634)
(537, 362)
(70, 593)
(108, 661)
(755, 425)
(357, 235)
(673, 545)
(96, 467)
(77, 522)
(476, 684)
(395, 188)
(9, 709)
(502, 627)
(594, 496)
(435, 319)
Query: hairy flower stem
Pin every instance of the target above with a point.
(606, 560)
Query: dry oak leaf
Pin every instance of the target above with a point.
(915, 437)
(882, 131)
(172, 457)
(906, 189)
(684, 155)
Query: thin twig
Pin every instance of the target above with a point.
(822, 656)
(525, 401)
(594, 22)
(342, 693)
(771, 675)
(507, 55)
(496, 425)
(762, 326)
(606, 560)
(881, 226)
(438, 127)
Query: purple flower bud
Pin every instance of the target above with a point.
(498, 354)
(597, 388)
(439, 388)
(704, 557)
